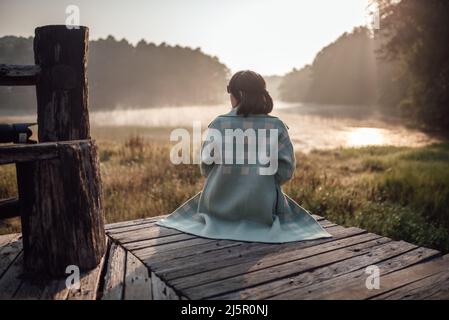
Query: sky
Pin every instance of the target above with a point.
(268, 36)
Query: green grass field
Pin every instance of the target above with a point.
(398, 192)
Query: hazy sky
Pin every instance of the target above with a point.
(269, 36)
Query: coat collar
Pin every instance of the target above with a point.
(233, 113)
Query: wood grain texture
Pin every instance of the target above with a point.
(137, 280)
(9, 252)
(61, 88)
(267, 270)
(27, 152)
(115, 274)
(18, 75)
(61, 210)
(300, 282)
(339, 287)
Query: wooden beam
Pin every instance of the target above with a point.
(27, 152)
(9, 208)
(18, 75)
(16, 153)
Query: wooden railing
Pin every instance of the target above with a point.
(59, 184)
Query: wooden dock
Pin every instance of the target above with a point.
(145, 261)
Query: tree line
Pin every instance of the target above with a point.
(402, 67)
(123, 75)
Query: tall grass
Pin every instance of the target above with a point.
(402, 193)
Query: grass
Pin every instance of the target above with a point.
(398, 192)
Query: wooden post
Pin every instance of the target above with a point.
(60, 199)
(61, 87)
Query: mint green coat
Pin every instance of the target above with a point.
(239, 203)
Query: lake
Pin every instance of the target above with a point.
(310, 126)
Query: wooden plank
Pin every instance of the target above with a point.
(30, 289)
(89, 282)
(147, 233)
(28, 152)
(9, 253)
(115, 274)
(154, 242)
(340, 286)
(18, 75)
(377, 255)
(357, 289)
(130, 223)
(8, 238)
(247, 252)
(426, 288)
(165, 247)
(135, 227)
(158, 256)
(9, 208)
(55, 290)
(144, 251)
(10, 281)
(137, 280)
(152, 255)
(161, 291)
(270, 268)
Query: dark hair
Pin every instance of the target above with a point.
(249, 88)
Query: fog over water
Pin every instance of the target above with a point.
(310, 126)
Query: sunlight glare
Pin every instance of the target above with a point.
(365, 137)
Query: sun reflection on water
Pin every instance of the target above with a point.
(366, 136)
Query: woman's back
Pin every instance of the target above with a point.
(246, 157)
(244, 181)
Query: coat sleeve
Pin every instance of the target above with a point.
(286, 157)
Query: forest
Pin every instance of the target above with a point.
(123, 75)
(402, 67)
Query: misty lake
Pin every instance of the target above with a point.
(310, 126)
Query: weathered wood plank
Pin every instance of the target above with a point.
(377, 255)
(89, 282)
(18, 75)
(147, 233)
(161, 291)
(5, 239)
(223, 281)
(30, 289)
(137, 280)
(175, 240)
(393, 280)
(9, 253)
(350, 285)
(246, 253)
(421, 289)
(129, 223)
(135, 227)
(145, 251)
(27, 152)
(115, 274)
(55, 290)
(157, 256)
(10, 281)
